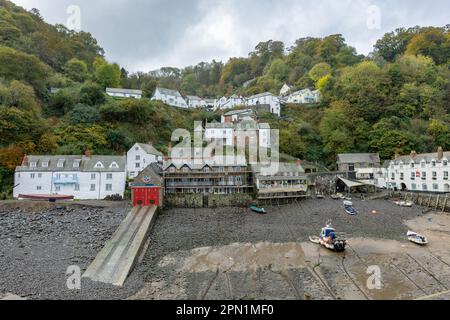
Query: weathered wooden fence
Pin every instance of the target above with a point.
(436, 202)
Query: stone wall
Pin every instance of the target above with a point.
(231, 200)
(183, 200)
(438, 202)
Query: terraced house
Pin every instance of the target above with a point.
(215, 176)
(428, 172)
(83, 177)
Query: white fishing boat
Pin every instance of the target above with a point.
(329, 240)
(406, 204)
(348, 203)
(417, 238)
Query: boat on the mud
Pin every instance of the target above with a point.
(329, 240)
(348, 203)
(407, 204)
(258, 209)
(417, 238)
(350, 210)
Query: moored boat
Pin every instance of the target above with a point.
(417, 238)
(258, 209)
(329, 240)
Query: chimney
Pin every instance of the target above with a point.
(150, 143)
(25, 160)
(440, 153)
(397, 155)
(88, 153)
(413, 154)
(299, 163)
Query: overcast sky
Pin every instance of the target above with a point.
(144, 35)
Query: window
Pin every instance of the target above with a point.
(424, 187)
(136, 149)
(172, 170)
(114, 165)
(445, 163)
(413, 186)
(58, 188)
(434, 175)
(422, 164)
(413, 164)
(435, 186)
(109, 176)
(32, 175)
(93, 176)
(351, 167)
(445, 175)
(32, 164)
(92, 187)
(76, 164)
(433, 163)
(39, 175)
(60, 164)
(424, 175)
(138, 165)
(45, 164)
(38, 188)
(413, 176)
(77, 187)
(109, 187)
(402, 176)
(138, 158)
(392, 176)
(99, 165)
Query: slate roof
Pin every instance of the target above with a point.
(217, 161)
(169, 92)
(86, 164)
(123, 91)
(261, 95)
(283, 167)
(428, 157)
(150, 149)
(359, 158)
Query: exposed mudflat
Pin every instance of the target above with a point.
(229, 253)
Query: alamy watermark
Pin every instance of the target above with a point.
(74, 20)
(74, 278)
(374, 281)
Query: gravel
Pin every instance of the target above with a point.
(39, 242)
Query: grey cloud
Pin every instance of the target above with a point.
(148, 34)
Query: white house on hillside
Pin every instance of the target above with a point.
(171, 97)
(303, 97)
(124, 93)
(285, 90)
(84, 177)
(428, 172)
(194, 101)
(141, 156)
(272, 102)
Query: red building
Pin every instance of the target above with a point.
(146, 190)
(146, 196)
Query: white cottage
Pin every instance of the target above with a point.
(304, 96)
(428, 172)
(194, 101)
(83, 177)
(140, 156)
(171, 97)
(268, 100)
(124, 93)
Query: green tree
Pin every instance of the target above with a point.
(76, 70)
(83, 114)
(107, 74)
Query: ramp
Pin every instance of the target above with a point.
(114, 262)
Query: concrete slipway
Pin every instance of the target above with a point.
(114, 262)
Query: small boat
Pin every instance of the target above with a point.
(335, 197)
(258, 209)
(348, 203)
(329, 240)
(417, 238)
(320, 196)
(350, 210)
(406, 204)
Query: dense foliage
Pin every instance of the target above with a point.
(395, 100)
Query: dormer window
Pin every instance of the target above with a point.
(60, 164)
(433, 163)
(445, 162)
(33, 164)
(45, 164)
(76, 164)
(114, 165)
(99, 165)
(422, 164)
(412, 164)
